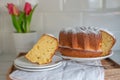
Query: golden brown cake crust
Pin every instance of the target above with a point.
(79, 53)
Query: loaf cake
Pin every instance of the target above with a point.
(43, 51)
(85, 42)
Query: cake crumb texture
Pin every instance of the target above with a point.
(43, 50)
(107, 42)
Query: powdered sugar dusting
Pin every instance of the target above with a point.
(69, 29)
(82, 29)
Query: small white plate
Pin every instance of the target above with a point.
(23, 62)
(88, 59)
(37, 69)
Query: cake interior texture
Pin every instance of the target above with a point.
(43, 51)
(107, 42)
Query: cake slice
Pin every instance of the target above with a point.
(108, 41)
(43, 51)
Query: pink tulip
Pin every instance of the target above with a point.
(12, 9)
(27, 8)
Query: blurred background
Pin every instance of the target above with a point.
(51, 16)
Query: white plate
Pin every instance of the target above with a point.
(87, 59)
(23, 62)
(37, 69)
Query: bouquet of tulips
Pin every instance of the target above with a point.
(21, 19)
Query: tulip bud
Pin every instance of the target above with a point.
(12, 9)
(27, 8)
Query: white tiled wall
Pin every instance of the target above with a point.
(112, 3)
(51, 16)
(54, 22)
(81, 5)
